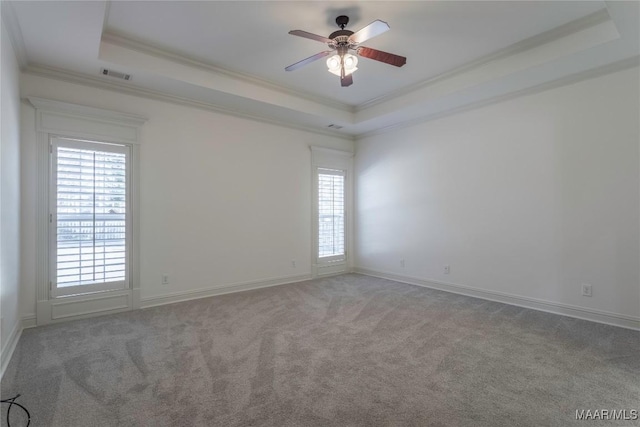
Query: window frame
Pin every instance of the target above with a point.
(337, 172)
(56, 141)
(327, 158)
(52, 119)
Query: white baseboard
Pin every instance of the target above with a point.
(9, 348)
(221, 290)
(593, 315)
(29, 321)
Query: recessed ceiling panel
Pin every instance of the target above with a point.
(252, 37)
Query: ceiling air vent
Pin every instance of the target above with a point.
(334, 126)
(116, 74)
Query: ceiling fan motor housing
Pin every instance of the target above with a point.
(342, 21)
(340, 33)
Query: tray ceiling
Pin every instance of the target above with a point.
(231, 55)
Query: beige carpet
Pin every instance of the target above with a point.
(344, 351)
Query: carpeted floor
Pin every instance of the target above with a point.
(344, 351)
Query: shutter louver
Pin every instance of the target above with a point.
(331, 213)
(91, 214)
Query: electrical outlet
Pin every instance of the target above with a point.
(447, 269)
(293, 263)
(402, 263)
(165, 279)
(587, 290)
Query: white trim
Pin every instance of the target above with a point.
(331, 151)
(42, 216)
(549, 36)
(600, 17)
(552, 35)
(115, 301)
(10, 347)
(599, 316)
(83, 306)
(10, 21)
(134, 220)
(29, 321)
(128, 89)
(588, 21)
(90, 81)
(148, 49)
(564, 81)
(79, 121)
(335, 268)
(110, 116)
(61, 119)
(328, 158)
(221, 290)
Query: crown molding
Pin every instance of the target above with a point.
(149, 49)
(10, 21)
(554, 34)
(86, 111)
(588, 22)
(85, 80)
(564, 81)
(332, 151)
(77, 78)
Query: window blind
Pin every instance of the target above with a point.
(91, 208)
(331, 214)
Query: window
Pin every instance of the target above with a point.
(331, 214)
(90, 225)
(87, 210)
(331, 203)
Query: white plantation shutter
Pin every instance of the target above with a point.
(90, 216)
(331, 214)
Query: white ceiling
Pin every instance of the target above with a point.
(231, 55)
(252, 37)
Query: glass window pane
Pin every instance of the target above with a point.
(331, 215)
(91, 216)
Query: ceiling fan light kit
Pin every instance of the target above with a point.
(348, 62)
(342, 63)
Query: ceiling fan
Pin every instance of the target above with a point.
(340, 42)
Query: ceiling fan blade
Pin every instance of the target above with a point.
(308, 60)
(376, 28)
(378, 55)
(311, 36)
(346, 80)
